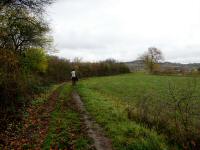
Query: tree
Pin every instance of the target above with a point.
(151, 58)
(23, 61)
(20, 31)
(23, 32)
(33, 5)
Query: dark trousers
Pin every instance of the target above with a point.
(74, 79)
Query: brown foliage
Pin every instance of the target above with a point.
(10, 86)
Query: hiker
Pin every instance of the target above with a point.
(74, 77)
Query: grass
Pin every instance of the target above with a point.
(107, 99)
(65, 130)
(129, 87)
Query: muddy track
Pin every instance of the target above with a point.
(94, 131)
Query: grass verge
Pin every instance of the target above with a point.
(111, 115)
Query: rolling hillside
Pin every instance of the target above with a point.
(138, 65)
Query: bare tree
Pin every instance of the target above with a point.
(151, 58)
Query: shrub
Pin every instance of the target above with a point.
(58, 70)
(34, 60)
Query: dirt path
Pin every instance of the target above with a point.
(36, 125)
(93, 129)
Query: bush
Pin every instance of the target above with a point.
(102, 68)
(58, 70)
(11, 86)
(19, 81)
(34, 60)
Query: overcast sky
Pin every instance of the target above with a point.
(124, 29)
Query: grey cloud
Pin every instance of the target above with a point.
(124, 29)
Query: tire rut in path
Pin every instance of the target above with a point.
(36, 124)
(94, 131)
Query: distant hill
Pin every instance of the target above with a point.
(138, 65)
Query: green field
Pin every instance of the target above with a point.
(139, 111)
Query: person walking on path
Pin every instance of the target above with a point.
(74, 77)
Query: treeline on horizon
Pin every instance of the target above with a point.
(59, 69)
(25, 67)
